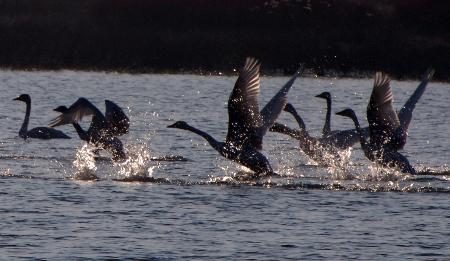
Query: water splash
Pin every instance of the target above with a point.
(339, 166)
(6, 172)
(377, 173)
(137, 163)
(84, 163)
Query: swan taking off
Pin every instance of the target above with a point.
(388, 130)
(38, 132)
(246, 124)
(103, 129)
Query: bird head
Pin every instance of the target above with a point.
(23, 97)
(289, 108)
(61, 109)
(347, 113)
(324, 95)
(179, 125)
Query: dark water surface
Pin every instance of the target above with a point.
(196, 208)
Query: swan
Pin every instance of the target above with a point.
(322, 153)
(388, 129)
(383, 156)
(246, 124)
(341, 139)
(103, 129)
(38, 132)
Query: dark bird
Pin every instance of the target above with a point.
(246, 124)
(38, 132)
(383, 156)
(341, 139)
(103, 130)
(387, 127)
(323, 153)
(388, 130)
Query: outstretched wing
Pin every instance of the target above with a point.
(243, 108)
(75, 113)
(273, 109)
(118, 122)
(405, 114)
(382, 117)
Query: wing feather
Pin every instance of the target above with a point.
(275, 106)
(382, 117)
(117, 119)
(243, 107)
(75, 113)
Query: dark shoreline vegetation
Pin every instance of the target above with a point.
(332, 38)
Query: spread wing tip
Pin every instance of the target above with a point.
(55, 122)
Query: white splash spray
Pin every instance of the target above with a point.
(339, 168)
(137, 163)
(84, 163)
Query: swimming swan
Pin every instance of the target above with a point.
(38, 132)
(341, 139)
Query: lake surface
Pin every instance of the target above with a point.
(195, 209)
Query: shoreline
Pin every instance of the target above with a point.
(308, 72)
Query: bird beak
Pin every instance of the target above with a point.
(171, 126)
(16, 99)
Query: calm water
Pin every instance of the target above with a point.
(195, 209)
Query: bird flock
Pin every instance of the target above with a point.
(381, 141)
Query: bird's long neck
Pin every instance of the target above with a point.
(24, 129)
(362, 138)
(326, 128)
(213, 142)
(81, 133)
(300, 122)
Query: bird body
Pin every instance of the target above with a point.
(38, 132)
(248, 157)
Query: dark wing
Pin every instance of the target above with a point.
(81, 108)
(243, 108)
(345, 138)
(118, 122)
(382, 117)
(272, 110)
(405, 114)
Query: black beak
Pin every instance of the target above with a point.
(320, 96)
(341, 113)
